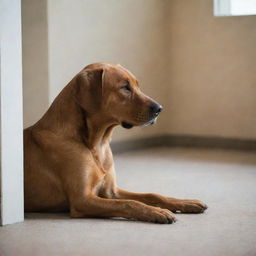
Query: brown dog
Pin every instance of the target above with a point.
(68, 160)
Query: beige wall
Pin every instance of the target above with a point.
(212, 75)
(201, 68)
(129, 32)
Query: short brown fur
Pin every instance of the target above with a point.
(68, 160)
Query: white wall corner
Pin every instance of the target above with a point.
(11, 116)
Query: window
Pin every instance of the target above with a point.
(234, 7)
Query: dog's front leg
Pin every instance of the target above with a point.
(93, 206)
(82, 188)
(173, 204)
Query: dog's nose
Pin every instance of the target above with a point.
(156, 109)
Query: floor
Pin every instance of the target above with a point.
(225, 180)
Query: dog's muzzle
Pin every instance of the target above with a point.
(154, 112)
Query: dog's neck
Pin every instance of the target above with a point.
(67, 118)
(98, 132)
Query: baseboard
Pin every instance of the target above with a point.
(184, 141)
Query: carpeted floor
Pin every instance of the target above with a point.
(225, 180)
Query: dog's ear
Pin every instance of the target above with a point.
(89, 89)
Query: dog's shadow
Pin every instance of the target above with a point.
(60, 216)
(31, 216)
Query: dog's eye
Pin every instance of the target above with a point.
(127, 88)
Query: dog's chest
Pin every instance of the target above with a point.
(100, 184)
(103, 159)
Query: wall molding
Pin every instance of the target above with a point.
(184, 141)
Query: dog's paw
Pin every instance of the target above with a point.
(192, 206)
(159, 215)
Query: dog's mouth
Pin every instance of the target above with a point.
(129, 126)
(126, 125)
(150, 122)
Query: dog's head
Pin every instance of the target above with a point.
(113, 93)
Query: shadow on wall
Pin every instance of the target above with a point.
(35, 60)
